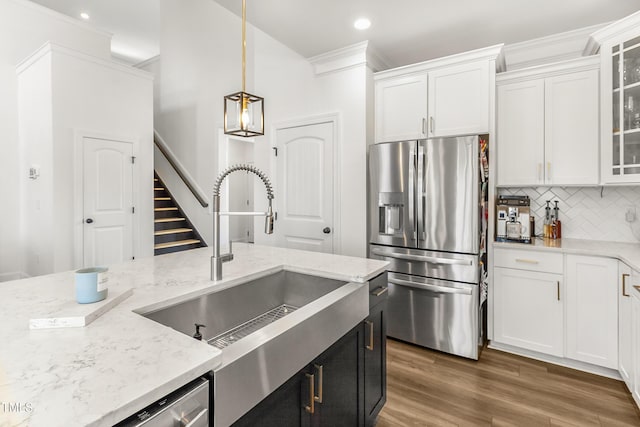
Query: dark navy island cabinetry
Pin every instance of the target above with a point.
(344, 386)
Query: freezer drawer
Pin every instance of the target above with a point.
(418, 262)
(437, 314)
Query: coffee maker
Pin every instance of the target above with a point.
(512, 219)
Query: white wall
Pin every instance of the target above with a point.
(24, 27)
(200, 63)
(76, 93)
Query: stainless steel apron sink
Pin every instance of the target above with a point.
(267, 329)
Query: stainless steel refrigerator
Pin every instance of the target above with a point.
(428, 218)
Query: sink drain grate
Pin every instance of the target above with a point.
(227, 338)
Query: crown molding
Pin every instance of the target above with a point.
(548, 49)
(348, 57)
(50, 47)
(621, 26)
(488, 53)
(549, 70)
(146, 62)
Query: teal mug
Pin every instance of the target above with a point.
(91, 284)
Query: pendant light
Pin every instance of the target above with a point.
(243, 112)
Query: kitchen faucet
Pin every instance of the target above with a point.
(217, 259)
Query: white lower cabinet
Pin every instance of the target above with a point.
(528, 310)
(592, 310)
(625, 326)
(556, 304)
(635, 318)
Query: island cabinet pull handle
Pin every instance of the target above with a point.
(527, 261)
(558, 288)
(624, 285)
(370, 345)
(319, 369)
(379, 291)
(311, 407)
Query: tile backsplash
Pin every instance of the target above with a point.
(595, 213)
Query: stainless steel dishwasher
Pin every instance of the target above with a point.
(186, 407)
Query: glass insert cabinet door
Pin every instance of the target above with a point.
(625, 124)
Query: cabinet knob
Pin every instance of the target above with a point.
(89, 221)
(326, 230)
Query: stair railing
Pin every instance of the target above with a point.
(180, 170)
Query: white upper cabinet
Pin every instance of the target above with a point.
(459, 100)
(592, 310)
(619, 46)
(401, 108)
(521, 133)
(442, 97)
(621, 118)
(571, 128)
(547, 125)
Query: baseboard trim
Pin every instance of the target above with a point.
(16, 275)
(561, 361)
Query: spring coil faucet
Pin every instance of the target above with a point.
(217, 259)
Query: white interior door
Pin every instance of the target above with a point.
(108, 202)
(304, 190)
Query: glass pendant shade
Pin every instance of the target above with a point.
(243, 114)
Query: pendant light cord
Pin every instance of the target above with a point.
(244, 42)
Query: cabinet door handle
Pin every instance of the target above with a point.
(624, 285)
(319, 369)
(311, 407)
(548, 177)
(558, 288)
(370, 345)
(379, 291)
(527, 261)
(424, 126)
(431, 123)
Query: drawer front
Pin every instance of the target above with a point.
(378, 289)
(528, 260)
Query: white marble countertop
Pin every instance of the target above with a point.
(102, 373)
(629, 253)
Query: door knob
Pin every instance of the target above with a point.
(89, 221)
(326, 230)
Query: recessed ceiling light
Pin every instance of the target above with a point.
(362, 23)
(84, 15)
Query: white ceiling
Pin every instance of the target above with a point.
(403, 31)
(135, 24)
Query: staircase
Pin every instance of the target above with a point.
(173, 231)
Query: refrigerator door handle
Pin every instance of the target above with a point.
(422, 258)
(412, 178)
(420, 199)
(430, 288)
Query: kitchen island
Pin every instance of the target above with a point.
(100, 374)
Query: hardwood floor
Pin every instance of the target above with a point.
(428, 388)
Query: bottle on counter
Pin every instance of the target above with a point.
(546, 227)
(556, 212)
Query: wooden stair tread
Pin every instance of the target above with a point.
(172, 231)
(177, 243)
(162, 198)
(158, 188)
(169, 219)
(170, 208)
